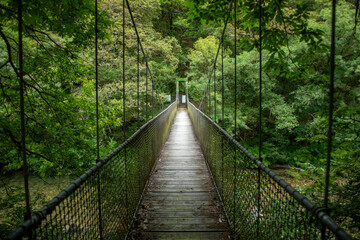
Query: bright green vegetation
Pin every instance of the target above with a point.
(181, 38)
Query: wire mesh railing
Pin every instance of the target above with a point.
(114, 185)
(258, 203)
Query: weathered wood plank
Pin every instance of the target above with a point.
(181, 200)
(167, 214)
(186, 235)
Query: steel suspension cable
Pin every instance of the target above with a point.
(22, 111)
(123, 73)
(222, 85)
(138, 83)
(209, 99)
(331, 111)
(217, 53)
(215, 92)
(260, 79)
(146, 95)
(152, 96)
(260, 117)
(97, 82)
(235, 74)
(235, 112)
(331, 104)
(97, 119)
(222, 117)
(124, 112)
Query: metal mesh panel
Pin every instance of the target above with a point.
(258, 203)
(103, 201)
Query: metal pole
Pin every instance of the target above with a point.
(209, 98)
(331, 106)
(260, 117)
(331, 110)
(260, 80)
(235, 74)
(235, 108)
(22, 113)
(146, 96)
(222, 116)
(215, 92)
(222, 85)
(124, 115)
(97, 81)
(97, 116)
(123, 65)
(177, 92)
(138, 84)
(152, 98)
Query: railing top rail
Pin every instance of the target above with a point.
(318, 212)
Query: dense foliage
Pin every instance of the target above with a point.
(59, 79)
(180, 39)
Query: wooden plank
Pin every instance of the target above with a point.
(196, 188)
(186, 235)
(158, 202)
(181, 200)
(181, 184)
(190, 196)
(199, 227)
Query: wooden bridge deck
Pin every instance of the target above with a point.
(181, 200)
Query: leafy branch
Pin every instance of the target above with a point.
(17, 143)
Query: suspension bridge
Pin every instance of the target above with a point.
(179, 176)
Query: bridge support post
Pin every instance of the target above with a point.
(177, 92)
(185, 98)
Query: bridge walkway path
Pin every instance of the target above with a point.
(181, 201)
